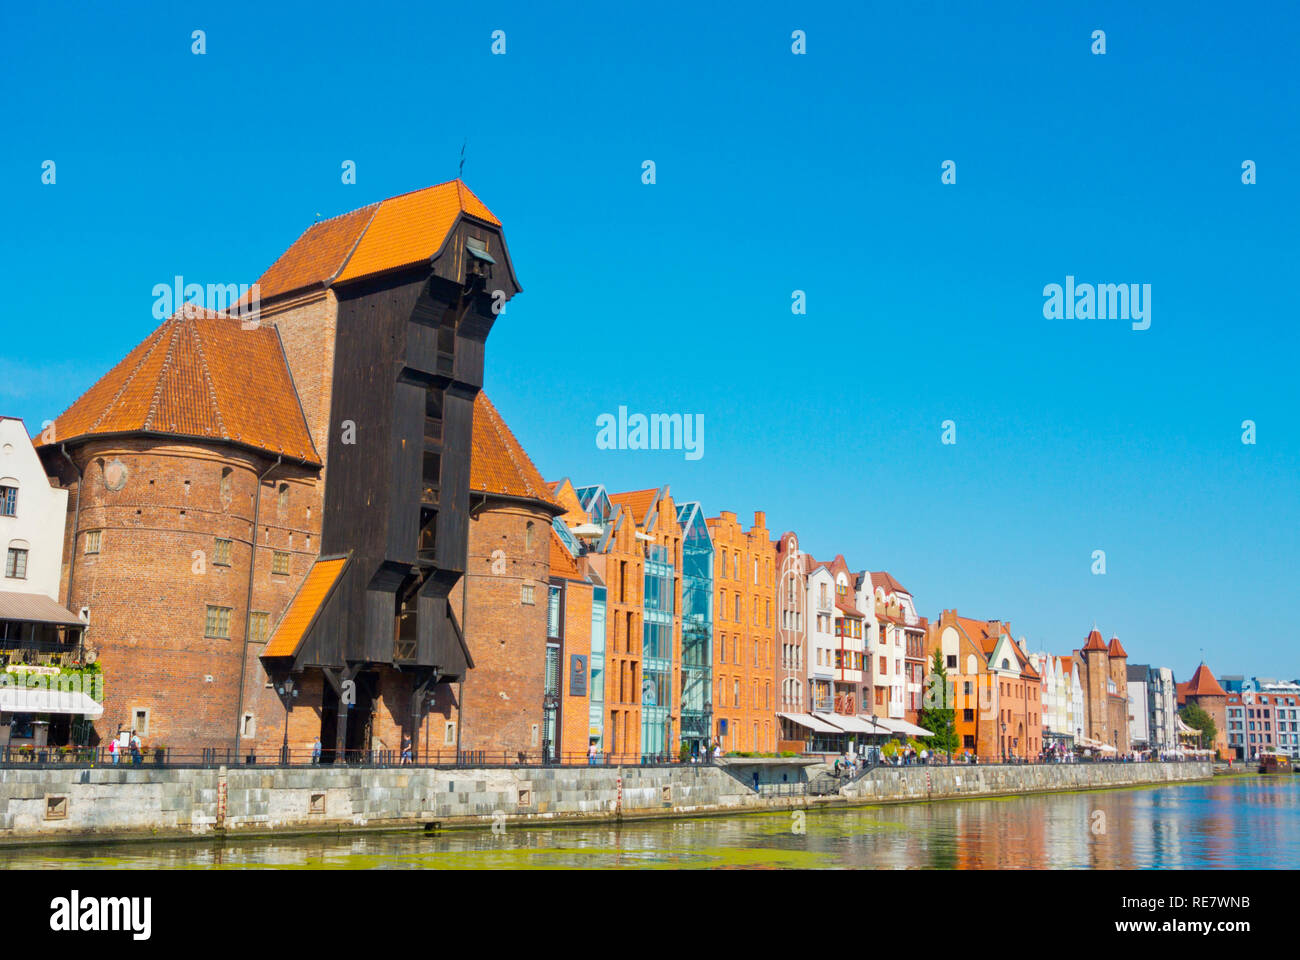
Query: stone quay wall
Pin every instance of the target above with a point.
(59, 805)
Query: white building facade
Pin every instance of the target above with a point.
(33, 516)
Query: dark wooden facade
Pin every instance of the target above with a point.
(408, 363)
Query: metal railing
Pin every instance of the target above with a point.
(100, 756)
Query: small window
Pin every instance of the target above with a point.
(280, 563)
(217, 623)
(449, 734)
(283, 501)
(536, 735)
(56, 808)
(528, 537)
(248, 726)
(258, 626)
(526, 593)
(140, 721)
(478, 250)
(8, 501)
(220, 553)
(93, 538)
(16, 564)
(225, 483)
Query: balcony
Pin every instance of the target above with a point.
(41, 653)
(824, 704)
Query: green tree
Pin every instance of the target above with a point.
(1198, 719)
(937, 713)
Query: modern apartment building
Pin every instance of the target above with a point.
(698, 637)
(1263, 717)
(1162, 707)
(1139, 714)
(633, 542)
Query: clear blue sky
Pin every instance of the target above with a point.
(775, 172)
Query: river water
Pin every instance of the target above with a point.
(1241, 822)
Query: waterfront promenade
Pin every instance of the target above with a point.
(70, 803)
(1230, 822)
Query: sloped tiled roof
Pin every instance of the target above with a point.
(1203, 684)
(199, 375)
(318, 256)
(637, 502)
(1115, 649)
(383, 236)
(563, 563)
(498, 464)
(1095, 642)
(885, 580)
(302, 610)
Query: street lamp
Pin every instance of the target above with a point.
(1004, 741)
(287, 692)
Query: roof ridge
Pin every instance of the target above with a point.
(166, 363)
(347, 258)
(126, 381)
(207, 378)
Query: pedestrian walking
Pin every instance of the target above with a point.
(315, 751)
(591, 753)
(112, 750)
(406, 749)
(136, 756)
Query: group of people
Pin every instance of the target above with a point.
(124, 743)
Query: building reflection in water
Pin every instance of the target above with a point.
(1243, 822)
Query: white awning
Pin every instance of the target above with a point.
(811, 722)
(902, 726)
(847, 723)
(41, 700)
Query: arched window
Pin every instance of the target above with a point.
(528, 537)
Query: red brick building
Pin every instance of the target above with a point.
(1103, 674)
(272, 515)
(504, 706)
(177, 461)
(1204, 691)
(744, 634)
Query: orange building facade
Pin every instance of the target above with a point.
(744, 638)
(998, 702)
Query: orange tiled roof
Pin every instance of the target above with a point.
(637, 502)
(302, 611)
(318, 256)
(886, 580)
(1115, 649)
(498, 463)
(563, 563)
(199, 375)
(1095, 642)
(383, 236)
(1203, 684)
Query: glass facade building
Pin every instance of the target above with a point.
(657, 652)
(697, 628)
(596, 689)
